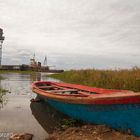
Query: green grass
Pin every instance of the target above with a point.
(2, 92)
(68, 122)
(1, 77)
(127, 79)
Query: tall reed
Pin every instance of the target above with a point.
(128, 79)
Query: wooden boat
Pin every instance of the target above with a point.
(119, 109)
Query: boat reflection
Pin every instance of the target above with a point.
(35, 77)
(48, 117)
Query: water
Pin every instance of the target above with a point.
(16, 110)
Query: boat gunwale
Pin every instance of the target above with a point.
(114, 98)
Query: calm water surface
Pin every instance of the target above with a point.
(15, 112)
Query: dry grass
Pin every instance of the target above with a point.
(128, 79)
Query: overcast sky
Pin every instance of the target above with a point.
(72, 33)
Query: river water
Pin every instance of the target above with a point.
(16, 111)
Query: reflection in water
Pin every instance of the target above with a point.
(47, 116)
(3, 99)
(15, 113)
(17, 84)
(35, 77)
(20, 84)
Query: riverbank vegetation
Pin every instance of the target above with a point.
(2, 92)
(1, 77)
(127, 79)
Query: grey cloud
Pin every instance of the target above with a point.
(70, 27)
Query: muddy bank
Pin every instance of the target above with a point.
(90, 132)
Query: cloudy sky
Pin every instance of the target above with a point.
(72, 33)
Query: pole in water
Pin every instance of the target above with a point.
(1, 42)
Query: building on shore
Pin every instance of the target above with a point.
(33, 66)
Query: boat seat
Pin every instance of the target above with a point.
(67, 90)
(46, 87)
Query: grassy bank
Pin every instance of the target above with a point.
(128, 79)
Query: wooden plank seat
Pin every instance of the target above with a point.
(65, 90)
(46, 87)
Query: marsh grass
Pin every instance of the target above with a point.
(127, 79)
(2, 92)
(2, 78)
